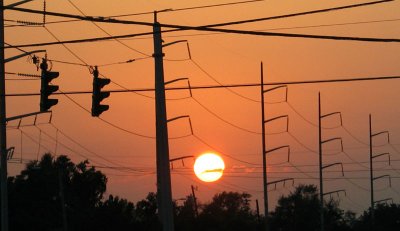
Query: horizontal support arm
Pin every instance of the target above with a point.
(330, 165)
(180, 158)
(281, 147)
(25, 115)
(336, 191)
(388, 176)
(175, 42)
(383, 200)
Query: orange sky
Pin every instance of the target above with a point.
(230, 59)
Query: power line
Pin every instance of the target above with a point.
(100, 28)
(208, 27)
(223, 86)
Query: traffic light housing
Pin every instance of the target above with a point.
(98, 95)
(46, 89)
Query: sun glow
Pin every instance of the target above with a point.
(209, 167)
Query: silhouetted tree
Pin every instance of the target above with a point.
(228, 211)
(185, 216)
(147, 214)
(34, 195)
(115, 214)
(387, 217)
(300, 210)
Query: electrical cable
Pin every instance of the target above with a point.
(224, 154)
(100, 28)
(208, 28)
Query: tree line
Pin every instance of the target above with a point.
(56, 194)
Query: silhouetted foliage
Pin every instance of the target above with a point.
(146, 213)
(35, 204)
(34, 195)
(300, 210)
(387, 217)
(228, 211)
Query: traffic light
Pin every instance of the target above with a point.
(98, 96)
(46, 89)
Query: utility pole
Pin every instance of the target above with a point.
(61, 177)
(3, 134)
(265, 180)
(321, 190)
(371, 167)
(371, 174)
(196, 211)
(164, 194)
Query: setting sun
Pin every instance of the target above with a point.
(209, 167)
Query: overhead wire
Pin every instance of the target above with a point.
(101, 119)
(103, 30)
(210, 27)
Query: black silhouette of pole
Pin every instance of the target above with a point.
(61, 177)
(164, 194)
(3, 134)
(321, 186)
(196, 211)
(263, 151)
(371, 173)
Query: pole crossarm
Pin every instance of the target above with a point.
(336, 191)
(181, 117)
(18, 3)
(175, 42)
(383, 176)
(384, 200)
(282, 180)
(333, 139)
(330, 165)
(22, 55)
(278, 148)
(278, 87)
(382, 154)
(334, 113)
(26, 115)
(179, 158)
(380, 133)
(181, 79)
(279, 117)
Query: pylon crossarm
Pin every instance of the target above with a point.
(25, 115)
(383, 200)
(336, 191)
(382, 154)
(19, 3)
(278, 87)
(171, 161)
(388, 176)
(279, 117)
(175, 42)
(180, 79)
(282, 180)
(180, 158)
(380, 133)
(178, 117)
(281, 147)
(181, 117)
(330, 165)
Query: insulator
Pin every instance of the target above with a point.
(28, 75)
(44, 12)
(30, 23)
